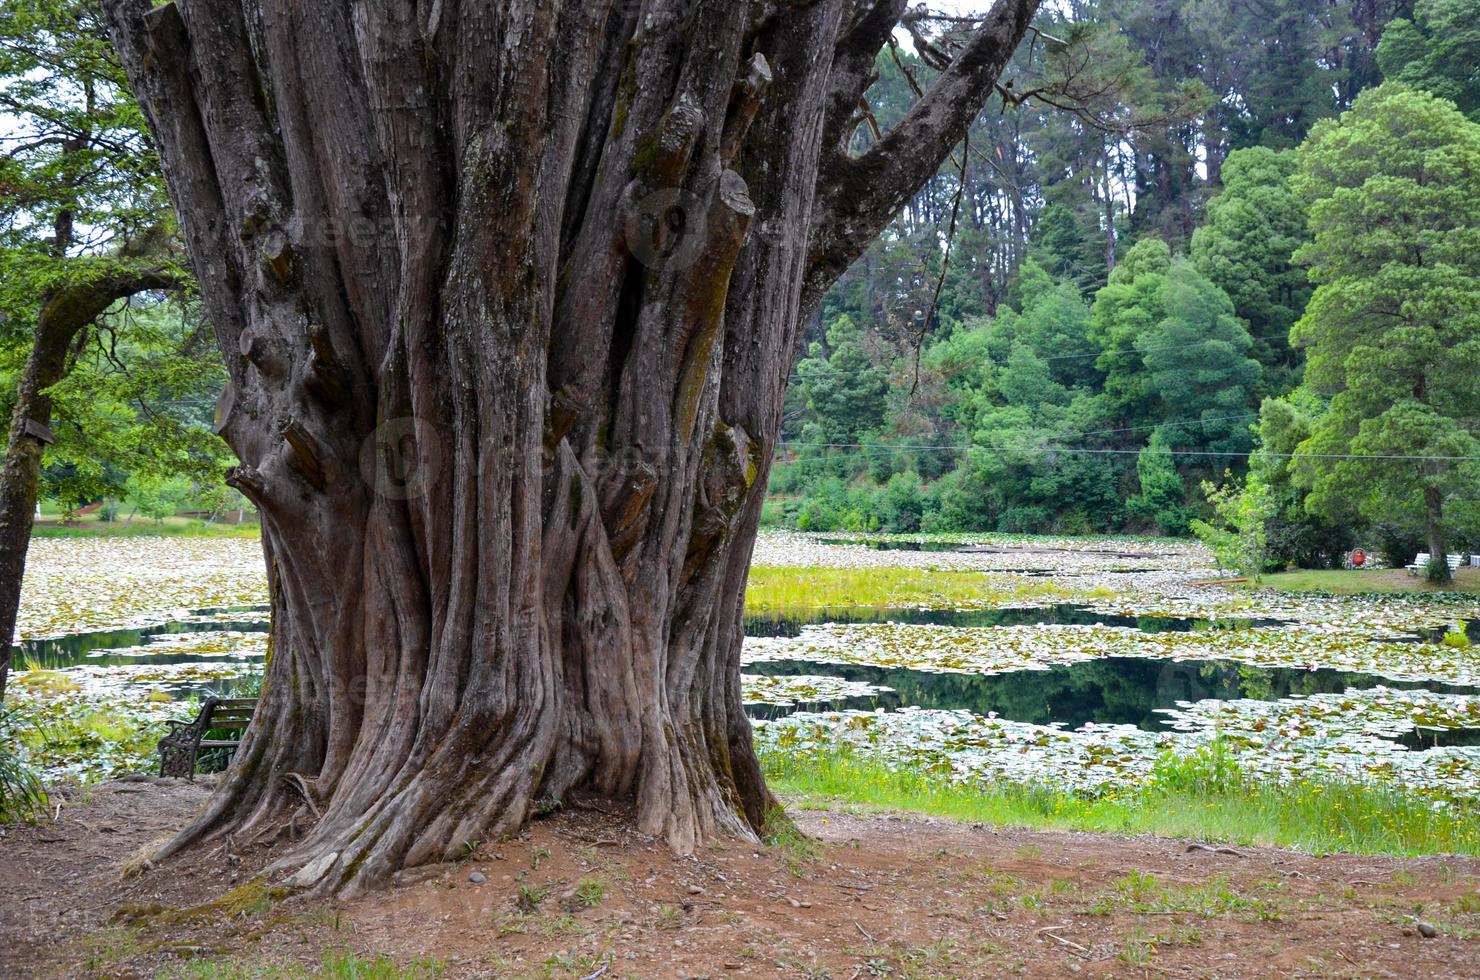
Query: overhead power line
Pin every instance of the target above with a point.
(1159, 347)
(1379, 457)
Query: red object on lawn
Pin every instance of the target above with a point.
(1359, 558)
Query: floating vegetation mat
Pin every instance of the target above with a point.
(1300, 739)
(802, 689)
(992, 650)
(74, 585)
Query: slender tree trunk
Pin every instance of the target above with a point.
(1438, 570)
(509, 294)
(63, 315)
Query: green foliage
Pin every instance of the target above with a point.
(134, 415)
(21, 794)
(1239, 539)
(1393, 328)
(842, 388)
(1162, 496)
(1456, 637)
(1173, 349)
(1196, 361)
(1253, 228)
(1294, 534)
(1436, 51)
(1127, 309)
(83, 201)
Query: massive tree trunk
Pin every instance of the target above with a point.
(64, 315)
(509, 293)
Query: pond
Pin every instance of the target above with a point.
(208, 651)
(791, 622)
(1132, 691)
(1083, 694)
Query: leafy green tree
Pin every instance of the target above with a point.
(845, 393)
(1069, 245)
(1054, 324)
(137, 406)
(1196, 361)
(1162, 497)
(84, 224)
(1294, 534)
(1246, 248)
(1437, 50)
(1239, 538)
(901, 504)
(1128, 308)
(1172, 349)
(1393, 329)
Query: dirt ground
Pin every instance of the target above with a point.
(580, 895)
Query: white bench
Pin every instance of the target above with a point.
(1422, 559)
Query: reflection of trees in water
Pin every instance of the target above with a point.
(1110, 690)
(73, 649)
(791, 621)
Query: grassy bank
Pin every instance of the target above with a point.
(774, 587)
(1203, 799)
(91, 527)
(1348, 581)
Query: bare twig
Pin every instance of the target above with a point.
(1073, 946)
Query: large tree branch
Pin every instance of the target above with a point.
(858, 195)
(64, 314)
(853, 68)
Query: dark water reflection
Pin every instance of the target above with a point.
(1110, 690)
(1106, 691)
(791, 621)
(72, 650)
(1429, 738)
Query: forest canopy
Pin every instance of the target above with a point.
(1089, 323)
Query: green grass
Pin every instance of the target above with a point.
(22, 796)
(779, 587)
(336, 965)
(1202, 803)
(980, 537)
(1349, 581)
(186, 527)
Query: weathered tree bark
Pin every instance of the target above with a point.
(64, 315)
(509, 293)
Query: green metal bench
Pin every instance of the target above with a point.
(180, 749)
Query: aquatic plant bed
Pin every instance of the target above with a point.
(1082, 664)
(75, 585)
(991, 650)
(1353, 736)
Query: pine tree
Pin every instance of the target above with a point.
(1392, 331)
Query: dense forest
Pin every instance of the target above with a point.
(1193, 255)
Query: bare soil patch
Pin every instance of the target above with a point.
(876, 895)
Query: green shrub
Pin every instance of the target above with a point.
(22, 796)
